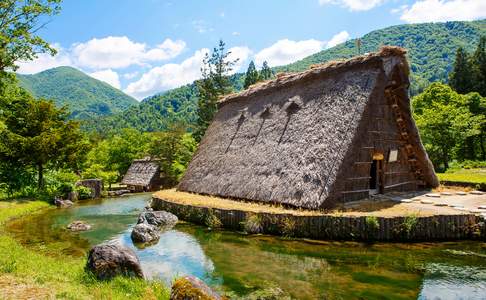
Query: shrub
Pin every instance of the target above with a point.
(253, 224)
(83, 192)
(372, 223)
(212, 221)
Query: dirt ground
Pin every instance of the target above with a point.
(445, 202)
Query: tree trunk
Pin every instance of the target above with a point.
(481, 143)
(445, 159)
(40, 180)
(471, 154)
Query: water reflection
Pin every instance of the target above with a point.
(242, 264)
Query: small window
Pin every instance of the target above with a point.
(393, 156)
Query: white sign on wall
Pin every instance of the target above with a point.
(393, 156)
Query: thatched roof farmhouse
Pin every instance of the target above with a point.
(337, 132)
(143, 175)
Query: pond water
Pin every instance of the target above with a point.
(241, 264)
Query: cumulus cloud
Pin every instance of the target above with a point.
(130, 75)
(45, 61)
(167, 76)
(172, 75)
(443, 10)
(241, 54)
(120, 52)
(338, 39)
(286, 51)
(109, 76)
(354, 5)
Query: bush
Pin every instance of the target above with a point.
(83, 192)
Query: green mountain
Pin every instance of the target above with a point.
(84, 96)
(431, 51)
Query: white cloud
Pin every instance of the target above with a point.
(45, 61)
(338, 39)
(167, 76)
(109, 76)
(170, 76)
(444, 10)
(130, 75)
(286, 51)
(120, 52)
(240, 53)
(235, 33)
(354, 5)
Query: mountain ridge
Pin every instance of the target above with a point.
(85, 96)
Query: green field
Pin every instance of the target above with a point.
(472, 176)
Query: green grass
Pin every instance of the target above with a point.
(57, 275)
(473, 176)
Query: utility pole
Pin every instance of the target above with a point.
(358, 45)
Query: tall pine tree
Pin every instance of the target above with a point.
(212, 86)
(266, 73)
(479, 67)
(460, 79)
(251, 75)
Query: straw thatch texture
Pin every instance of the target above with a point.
(142, 172)
(296, 139)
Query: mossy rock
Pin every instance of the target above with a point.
(192, 288)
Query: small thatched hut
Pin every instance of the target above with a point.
(335, 133)
(143, 175)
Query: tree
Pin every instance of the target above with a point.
(251, 75)
(445, 122)
(479, 67)
(460, 79)
(20, 20)
(174, 149)
(38, 135)
(212, 86)
(266, 73)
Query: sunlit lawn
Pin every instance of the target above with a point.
(475, 176)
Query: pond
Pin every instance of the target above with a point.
(241, 264)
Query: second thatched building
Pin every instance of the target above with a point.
(143, 175)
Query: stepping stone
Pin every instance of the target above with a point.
(446, 194)
(476, 193)
(456, 205)
(440, 204)
(406, 200)
(460, 208)
(475, 211)
(461, 193)
(426, 201)
(416, 198)
(482, 207)
(433, 195)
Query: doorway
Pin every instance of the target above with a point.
(374, 177)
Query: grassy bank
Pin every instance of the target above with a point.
(475, 178)
(28, 274)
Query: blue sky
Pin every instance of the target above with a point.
(147, 46)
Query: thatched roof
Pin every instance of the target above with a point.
(287, 140)
(141, 172)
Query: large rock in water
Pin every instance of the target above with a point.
(158, 218)
(190, 287)
(62, 203)
(145, 233)
(79, 226)
(106, 261)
